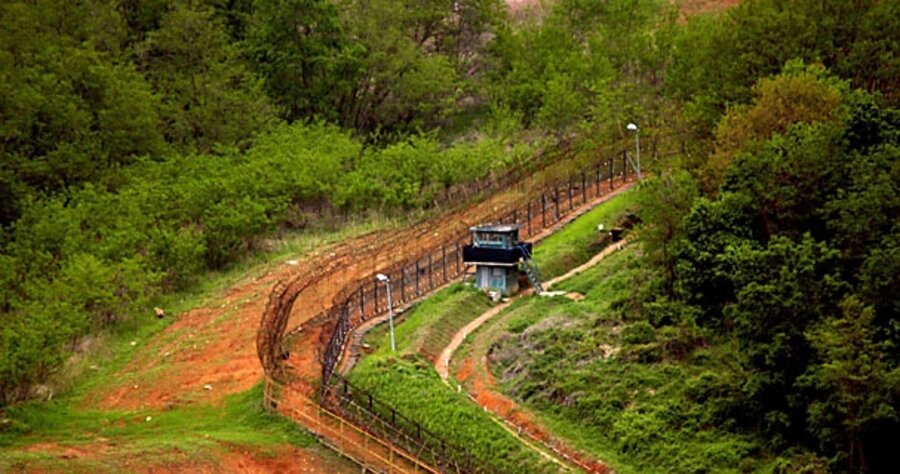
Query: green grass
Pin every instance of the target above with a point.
(429, 326)
(409, 382)
(603, 381)
(198, 432)
(195, 431)
(580, 240)
(112, 349)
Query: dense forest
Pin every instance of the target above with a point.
(144, 142)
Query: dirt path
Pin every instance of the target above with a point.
(442, 363)
(483, 388)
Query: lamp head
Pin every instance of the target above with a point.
(382, 278)
(632, 127)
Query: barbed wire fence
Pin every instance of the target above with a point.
(436, 259)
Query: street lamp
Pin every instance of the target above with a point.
(637, 138)
(387, 282)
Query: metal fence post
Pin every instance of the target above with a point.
(458, 256)
(418, 270)
(402, 283)
(430, 272)
(612, 173)
(583, 187)
(543, 211)
(375, 297)
(529, 218)
(555, 204)
(624, 166)
(444, 261)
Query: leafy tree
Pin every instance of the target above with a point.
(72, 110)
(858, 384)
(310, 64)
(797, 95)
(665, 200)
(716, 60)
(208, 95)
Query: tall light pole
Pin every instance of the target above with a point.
(637, 140)
(387, 282)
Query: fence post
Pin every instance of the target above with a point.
(375, 297)
(362, 301)
(458, 256)
(543, 211)
(569, 192)
(556, 203)
(529, 218)
(624, 166)
(612, 173)
(418, 270)
(583, 187)
(444, 261)
(597, 183)
(430, 272)
(403, 283)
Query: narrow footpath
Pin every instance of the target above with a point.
(485, 392)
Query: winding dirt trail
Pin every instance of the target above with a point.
(480, 382)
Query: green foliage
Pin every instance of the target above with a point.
(428, 327)
(208, 97)
(302, 49)
(607, 387)
(580, 240)
(70, 110)
(587, 65)
(858, 387)
(796, 229)
(664, 201)
(407, 380)
(717, 59)
(797, 95)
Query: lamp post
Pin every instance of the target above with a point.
(637, 139)
(387, 282)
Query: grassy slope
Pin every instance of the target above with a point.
(182, 433)
(598, 379)
(577, 242)
(197, 432)
(410, 382)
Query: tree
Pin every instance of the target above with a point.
(858, 384)
(73, 108)
(799, 95)
(665, 200)
(208, 95)
(310, 65)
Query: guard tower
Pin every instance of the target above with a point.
(498, 257)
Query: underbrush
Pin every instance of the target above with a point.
(645, 393)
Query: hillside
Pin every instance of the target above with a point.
(169, 170)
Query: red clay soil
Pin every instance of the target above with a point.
(234, 459)
(483, 388)
(215, 345)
